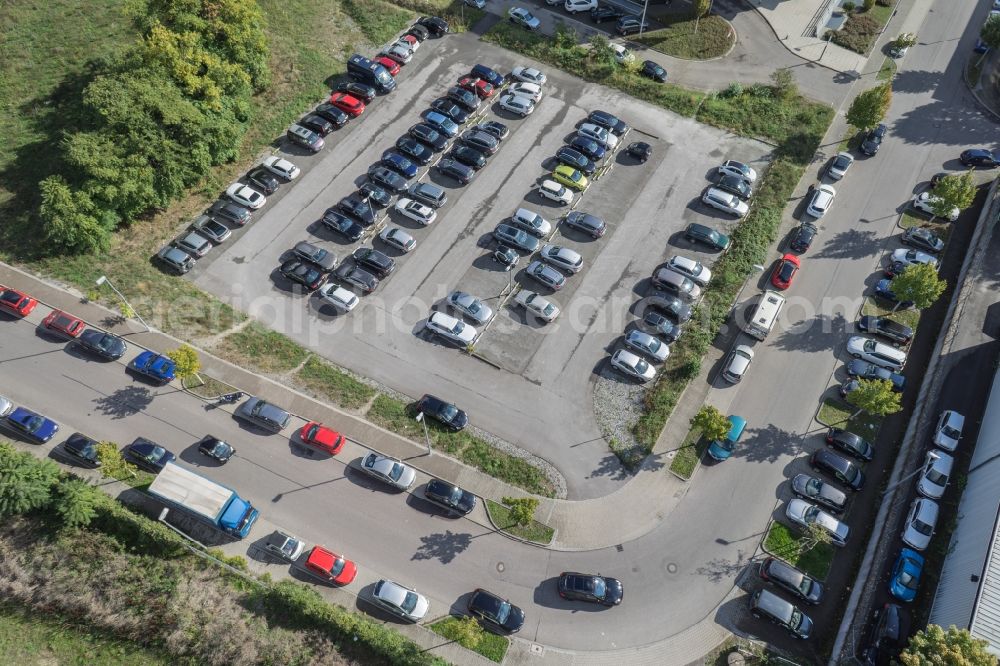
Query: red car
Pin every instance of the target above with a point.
(389, 64)
(349, 104)
(63, 323)
(785, 271)
(483, 89)
(412, 41)
(330, 566)
(15, 302)
(322, 437)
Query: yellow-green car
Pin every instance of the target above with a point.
(570, 177)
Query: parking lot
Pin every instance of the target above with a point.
(537, 375)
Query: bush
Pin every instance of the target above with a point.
(848, 6)
(137, 532)
(858, 33)
(869, 5)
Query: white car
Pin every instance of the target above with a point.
(934, 478)
(531, 91)
(561, 257)
(519, 106)
(281, 167)
(246, 196)
(389, 470)
(948, 430)
(737, 364)
(6, 406)
(553, 191)
(574, 6)
(529, 75)
(649, 346)
(416, 211)
(397, 238)
(632, 365)
(340, 298)
(691, 269)
(451, 329)
(839, 166)
(537, 305)
(401, 601)
(876, 352)
(922, 202)
(911, 257)
(622, 54)
(598, 134)
(821, 201)
(532, 222)
(212, 229)
(724, 201)
(805, 514)
(920, 522)
(739, 169)
(398, 51)
(470, 306)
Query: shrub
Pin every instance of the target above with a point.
(848, 6)
(858, 33)
(869, 5)
(137, 532)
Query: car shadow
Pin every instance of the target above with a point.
(320, 230)
(417, 502)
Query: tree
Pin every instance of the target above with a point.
(70, 220)
(868, 5)
(700, 8)
(466, 631)
(869, 108)
(601, 51)
(990, 33)
(78, 502)
(905, 40)
(187, 362)
(933, 646)
(784, 83)
(816, 535)
(712, 423)
(875, 396)
(25, 481)
(951, 192)
(918, 283)
(522, 509)
(113, 463)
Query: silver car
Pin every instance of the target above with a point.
(281, 167)
(647, 345)
(805, 514)
(470, 306)
(399, 600)
(562, 257)
(263, 414)
(194, 244)
(397, 238)
(388, 470)
(547, 275)
(211, 228)
(918, 528)
(6, 406)
(537, 305)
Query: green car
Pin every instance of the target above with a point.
(699, 233)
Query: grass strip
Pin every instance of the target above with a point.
(837, 414)
(378, 20)
(787, 545)
(682, 37)
(257, 347)
(534, 531)
(689, 454)
(490, 645)
(333, 384)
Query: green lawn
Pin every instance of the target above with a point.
(536, 531)
(875, 306)
(490, 645)
(255, 346)
(837, 414)
(333, 384)
(208, 387)
(887, 70)
(787, 544)
(713, 37)
(689, 454)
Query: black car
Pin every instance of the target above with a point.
(414, 151)
(302, 272)
(466, 99)
(419, 31)
(887, 637)
(451, 497)
(317, 124)
(894, 268)
(839, 467)
(495, 128)
(357, 276)
(699, 233)
(979, 157)
(455, 169)
(588, 147)
(331, 113)
(577, 160)
(469, 156)
(506, 256)
(653, 71)
(105, 345)
(595, 589)
(427, 134)
(849, 443)
(374, 194)
(148, 455)
(803, 236)
(374, 261)
(657, 324)
(443, 412)
(873, 140)
(387, 178)
(612, 123)
(734, 185)
(481, 141)
(605, 13)
(334, 220)
(791, 580)
(435, 25)
(362, 91)
(887, 328)
(496, 612)
(672, 307)
(358, 209)
(640, 150)
(263, 180)
(450, 109)
(215, 448)
(231, 212)
(83, 449)
(589, 224)
(630, 25)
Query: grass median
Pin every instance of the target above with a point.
(490, 645)
(533, 531)
(331, 383)
(689, 454)
(710, 37)
(786, 544)
(836, 414)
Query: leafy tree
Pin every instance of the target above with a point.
(905, 40)
(784, 83)
(918, 283)
(187, 362)
(70, 221)
(712, 423)
(522, 509)
(601, 51)
(868, 5)
(25, 481)
(113, 463)
(815, 535)
(933, 646)
(465, 631)
(952, 191)
(875, 396)
(699, 8)
(77, 502)
(869, 108)
(990, 32)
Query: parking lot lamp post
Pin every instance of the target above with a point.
(642, 21)
(427, 435)
(930, 454)
(104, 280)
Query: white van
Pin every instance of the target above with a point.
(765, 313)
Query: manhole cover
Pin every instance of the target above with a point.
(671, 568)
(500, 567)
(537, 649)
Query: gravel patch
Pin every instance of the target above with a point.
(618, 404)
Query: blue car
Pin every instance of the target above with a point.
(35, 427)
(588, 147)
(491, 75)
(884, 291)
(721, 449)
(153, 366)
(906, 575)
(981, 46)
(441, 123)
(399, 164)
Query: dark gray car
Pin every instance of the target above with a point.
(589, 224)
(263, 414)
(231, 212)
(519, 240)
(324, 259)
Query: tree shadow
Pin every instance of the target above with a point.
(443, 547)
(915, 81)
(767, 444)
(812, 335)
(850, 244)
(124, 402)
(722, 568)
(611, 468)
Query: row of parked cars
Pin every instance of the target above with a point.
(625, 24)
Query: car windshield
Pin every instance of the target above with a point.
(813, 486)
(458, 328)
(106, 342)
(156, 453)
(503, 612)
(922, 527)
(810, 515)
(936, 477)
(448, 412)
(907, 580)
(396, 472)
(654, 344)
(338, 566)
(288, 547)
(841, 161)
(950, 432)
(641, 366)
(33, 423)
(787, 270)
(409, 602)
(548, 309)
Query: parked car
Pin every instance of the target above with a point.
(633, 366)
(491, 75)
(396, 162)
(82, 449)
(362, 91)
(99, 343)
(887, 328)
(561, 257)
(387, 178)
(873, 139)
(923, 239)
(451, 110)
(576, 160)
(231, 212)
(330, 567)
(575, 6)
(767, 605)
(524, 18)
(340, 298)
(839, 467)
(608, 121)
(194, 244)
(662, 326)
(640, 150)
(400, 600)
(451, 329)
(63, 324)
(148, 455)
(591, 588)
(211, 229)
(428, 135)
(429, 194)
(805, 514)
(731, 184)
(455, 169)
(153, 366)
(34, 427)
(466, 98)
(303, 273)
(821, 201)
(175, 259)
(737, 364)
(819, 492)
(216, 449)
(468, 156)
(925, 201)
(784, 271)
(918, 528)
(888, 630)
(528, 75)
(630, 25)
(494, 128)
(803, 237)
(699, 233)
(606, 13)
(470, 306)
(532, 222)
(443, 412)
(934, 478)
(356, 276)
(327, 111)
(691, 269)
(481, 141)
(979, 158)
(790, 579)
(545, 275)
(722, 449)
(876, 352)
(388, 470)
(317, 124)
(653, 71)
(304, 137)
(883, 290)
(865, 370)
(850, 443)
(263, 414)
(377, 263)
(322, 437)
(450, 497)
(905, 577)
(495, 612)
(948, 430)
(725, 202)
(397, 238)
(400, 53)
(647, 345)
(553, 191)
(281, 167)
(389, 64)
(317, 256)
(570, 177)
(516, 238)
(598, 133)
(436, 25)
(414, 150)
(245, 195)
(537, 305)
(441, 123)
(334, 220)
(531, 91)
(284, 546)
(588, 147)
(839, 165)
(912, 257)
(672, 307)
(738, 169)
